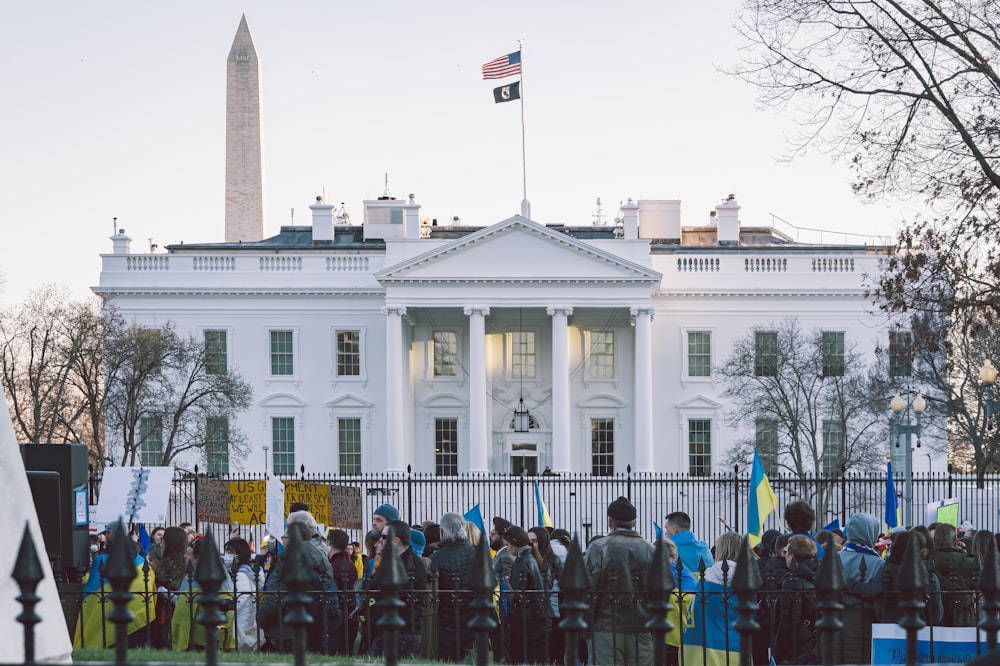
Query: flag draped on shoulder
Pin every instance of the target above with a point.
(891, 502)
(762, 500)
(507, 93)
(504, 66)
(544, 519)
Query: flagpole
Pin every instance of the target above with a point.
(525, 205)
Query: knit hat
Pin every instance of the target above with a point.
(417, 542)
(387, 511)
(500, 524)
(621, 510)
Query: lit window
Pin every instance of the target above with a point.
(282, 353)
(699, 354)
(602, 447)
(348, 353)
(700, 447)
(283, 445)
(445, 354)
(522, 357)
(446, 447)
(349, 445)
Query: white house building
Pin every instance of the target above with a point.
(396, 343)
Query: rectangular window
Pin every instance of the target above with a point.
(446, 447)
(699, 354)
(150, 350)
(445, 354)
(767, 444)
(349, 445)
(765, 361)
(283, 445)
(602, 355)
(216, 353)
(151, 441)
(217, 445)
(833, 353)
(700, 447)
(282, 353)
(602, 447)
(833, 448)
(522, 357)
(348, 353)
(900, 354)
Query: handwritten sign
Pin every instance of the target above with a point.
(345, 507)
(213, 501)
(314, 495)
(247, 502)
(138, 494)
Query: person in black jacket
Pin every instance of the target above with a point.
(452, 563)
(408, 638)
(528, 610)
(794, 626)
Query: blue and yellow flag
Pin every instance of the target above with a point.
(762, 501)
(709, 637)
(544, 519)
(475, 516)
(892, 517)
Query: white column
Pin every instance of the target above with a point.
(643, 318)
(562, 455)
(394, 382)
(479, 431)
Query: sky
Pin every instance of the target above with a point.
(116, 109)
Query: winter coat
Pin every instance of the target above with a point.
(526, 577)
(245, 619)
(452, 563)
(957, 571)
(890, 603)
(794, 621)
(617, 565)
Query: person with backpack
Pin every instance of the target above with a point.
(794, 623)
(891, 609)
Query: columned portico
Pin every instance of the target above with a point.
(562, 458)
(394, 389)
(643, 317)
(479, 427)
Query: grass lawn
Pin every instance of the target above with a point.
(149, 655)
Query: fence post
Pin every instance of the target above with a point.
(390, 578)
(295, 577)
(659, 585)
(913, 585)
(409, 494)
(121, 572)
(628, 482)
(28, 574)
(482, 581)
(746, 582)
(520, 481)
(736, 498)
(829, 583)
(843, 495)
(210, 573)
(573, 587)
(989, 585)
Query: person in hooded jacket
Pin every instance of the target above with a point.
(237, 558)
(528, 611)
(958, 572)
(794, 626)
(860, 590)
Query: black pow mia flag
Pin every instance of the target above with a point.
(507, 93)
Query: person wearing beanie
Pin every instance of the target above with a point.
(381, 517)
(617, 565)
(417, 542)
(503, 560)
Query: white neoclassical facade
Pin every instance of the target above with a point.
(396, 344)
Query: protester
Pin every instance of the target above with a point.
(452, 564)
(528, 611)
(861, 590)
(794, 628)
(957, 571)
(238, 557)
(710, 635)
(396, 534)
(345, 573)
(890, 602)
(799, 517)
(690, 550)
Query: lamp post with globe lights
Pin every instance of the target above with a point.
(901, 430)
(988, 385)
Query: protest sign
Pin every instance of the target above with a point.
(314, 495)
(138, 494)
(247, 502)
(213, 501)
(951, 645)
(275, 505)
(346, 507)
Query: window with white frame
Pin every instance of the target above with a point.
(151, 441)
(699, 353)
(217, 445)
(445, 353)
(283, 445)
(601, 356)
(765, 361)
(282, 353)
(833, 448)
(522, 354)
(900, 354)
(348, 353)
(833, 353)
(446, 446)
(700, 447)
(602, 447)
(349, 445)
(766, 440)
(216, 352)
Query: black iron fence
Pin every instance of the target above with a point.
(660, 602)
(578, 502)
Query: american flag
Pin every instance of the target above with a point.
(504, 66)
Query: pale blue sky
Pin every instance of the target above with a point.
(116, 109)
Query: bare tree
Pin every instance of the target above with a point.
(815, 411)
(163, 399)
(907, 91)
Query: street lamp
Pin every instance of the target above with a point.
(988, 381)
(902, 429)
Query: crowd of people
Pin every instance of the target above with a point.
(439, 558)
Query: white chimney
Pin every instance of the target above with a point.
(411, 218)
(630, 220)
(728, 214)
(121, 243)
(322, 221)
(660, 218)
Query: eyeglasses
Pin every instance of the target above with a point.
(383, 537)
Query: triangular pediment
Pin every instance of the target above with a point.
(699, 402)
(349, 401)
(518, 250)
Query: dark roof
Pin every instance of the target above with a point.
(295, 238)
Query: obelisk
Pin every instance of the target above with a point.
(244, 183)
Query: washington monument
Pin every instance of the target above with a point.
(244, 185)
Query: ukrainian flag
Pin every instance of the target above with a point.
(762, 501)
(892, 517)
(709, 637)
(544, 519)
